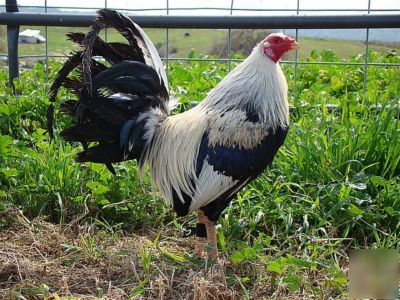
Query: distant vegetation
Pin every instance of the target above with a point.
(394, 45)
(3, 39)
(206, 42)
(242, 41)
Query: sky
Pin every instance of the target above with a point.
(263, 4)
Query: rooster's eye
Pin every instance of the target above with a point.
(277, 40)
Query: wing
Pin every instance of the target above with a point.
(240, 163)
(231, 169)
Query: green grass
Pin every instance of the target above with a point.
(334, 185)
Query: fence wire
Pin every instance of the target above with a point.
(228, 11)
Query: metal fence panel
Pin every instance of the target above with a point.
(364, 18)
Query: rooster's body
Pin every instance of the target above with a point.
(198, 159)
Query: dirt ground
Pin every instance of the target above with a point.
(40, 260)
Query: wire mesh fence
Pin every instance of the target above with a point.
(234, 8)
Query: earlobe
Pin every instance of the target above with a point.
(271, 54)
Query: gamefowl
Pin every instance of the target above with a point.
(200, 159)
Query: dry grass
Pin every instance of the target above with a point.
(41, 260)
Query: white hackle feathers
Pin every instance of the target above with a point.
(257, 84)
(173, 150)
(241, 133)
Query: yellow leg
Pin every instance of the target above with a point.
(212, 238)
(199, 247)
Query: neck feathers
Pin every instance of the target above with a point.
(257, 86)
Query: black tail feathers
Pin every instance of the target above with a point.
(114, 84)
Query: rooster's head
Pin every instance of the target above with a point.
(276, 44)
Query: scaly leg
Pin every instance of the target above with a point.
(212, 238)
(200, 234)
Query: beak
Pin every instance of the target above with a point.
(295, 45)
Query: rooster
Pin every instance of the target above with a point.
(200, 159)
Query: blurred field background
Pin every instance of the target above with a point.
(205, 41)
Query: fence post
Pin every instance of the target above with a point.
(12, 42)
